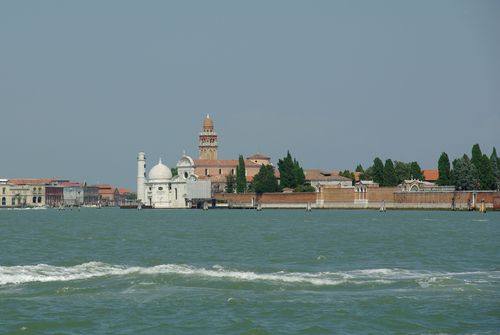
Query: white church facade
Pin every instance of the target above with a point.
(163, 190)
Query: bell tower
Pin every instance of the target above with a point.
(208, 140)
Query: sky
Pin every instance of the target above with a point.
(86, 85)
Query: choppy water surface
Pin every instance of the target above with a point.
(246, 272)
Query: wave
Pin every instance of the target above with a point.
(50, 273)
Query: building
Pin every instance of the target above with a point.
(25, 192)
(430, 175)
(163, 190)
(91, 195)
(415, 185)
(208, 144)
(54, 196)
(318, 178)
(260, 159)
(106, 194)
(209, 167)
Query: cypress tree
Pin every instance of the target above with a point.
(241, 180)
(230, 183)
(415, 171)
(444, 170)
(287, 173)
(265, 181)
(359, 168)
(298, 173)
(390, 178)
(476, 156)
(495, 166)
(378, 171)
(402, 170)
(486, 175)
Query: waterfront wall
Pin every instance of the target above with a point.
(392, 197)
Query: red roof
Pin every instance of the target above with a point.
(31, 181)
(122, 190)
(106, 191)
(222, 163)
(430, 175)
(103, 186)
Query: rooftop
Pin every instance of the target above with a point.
(315, 174)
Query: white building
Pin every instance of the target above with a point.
(162, 190)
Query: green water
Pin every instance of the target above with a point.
(114, 271)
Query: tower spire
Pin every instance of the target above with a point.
(208, 143)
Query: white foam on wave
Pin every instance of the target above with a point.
(50, 273)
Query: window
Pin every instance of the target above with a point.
(13, 201)
(170, 187)
(34, 200)
(3, 190)
(176, 194)
(160, 188)
(206, 172)
(232, 172)
(39, 200)
(185, 175)
(220, 171)
(4, 201)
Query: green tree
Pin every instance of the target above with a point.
(495, 166)
(287, 171)
(298, 172)
(416, 171)
(367, 174)
(265, 181)
(378, 171)
(444, 170)
(305, 188)
(464, 174)
(174, 171)
(230, 183)
(359, 168)
(486, 174)
(402, 170)
(476, 157)
(241, 179)
(390, 178)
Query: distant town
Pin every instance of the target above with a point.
(254, 182)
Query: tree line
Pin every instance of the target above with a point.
(391, 173)
(265, 181)
(479, 172)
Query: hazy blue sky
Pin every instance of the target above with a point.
(86, 85)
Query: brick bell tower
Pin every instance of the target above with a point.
(208, 140)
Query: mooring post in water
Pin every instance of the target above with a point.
(259, 206)
(308, 207)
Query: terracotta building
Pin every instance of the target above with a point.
(209, 167)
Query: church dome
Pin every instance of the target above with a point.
(159, 172)
(208, 123)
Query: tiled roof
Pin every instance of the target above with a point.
(259, 156)
(103, 186)
(122, 190)
(430, 175)
(315, 174)
(30, 181)
(222, 163)
(221, 178)
(106, 191)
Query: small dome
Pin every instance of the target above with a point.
(185, 161)
(208, 123)
(160, 172)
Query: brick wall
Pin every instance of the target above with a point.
(336, 194)
(379, 194)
